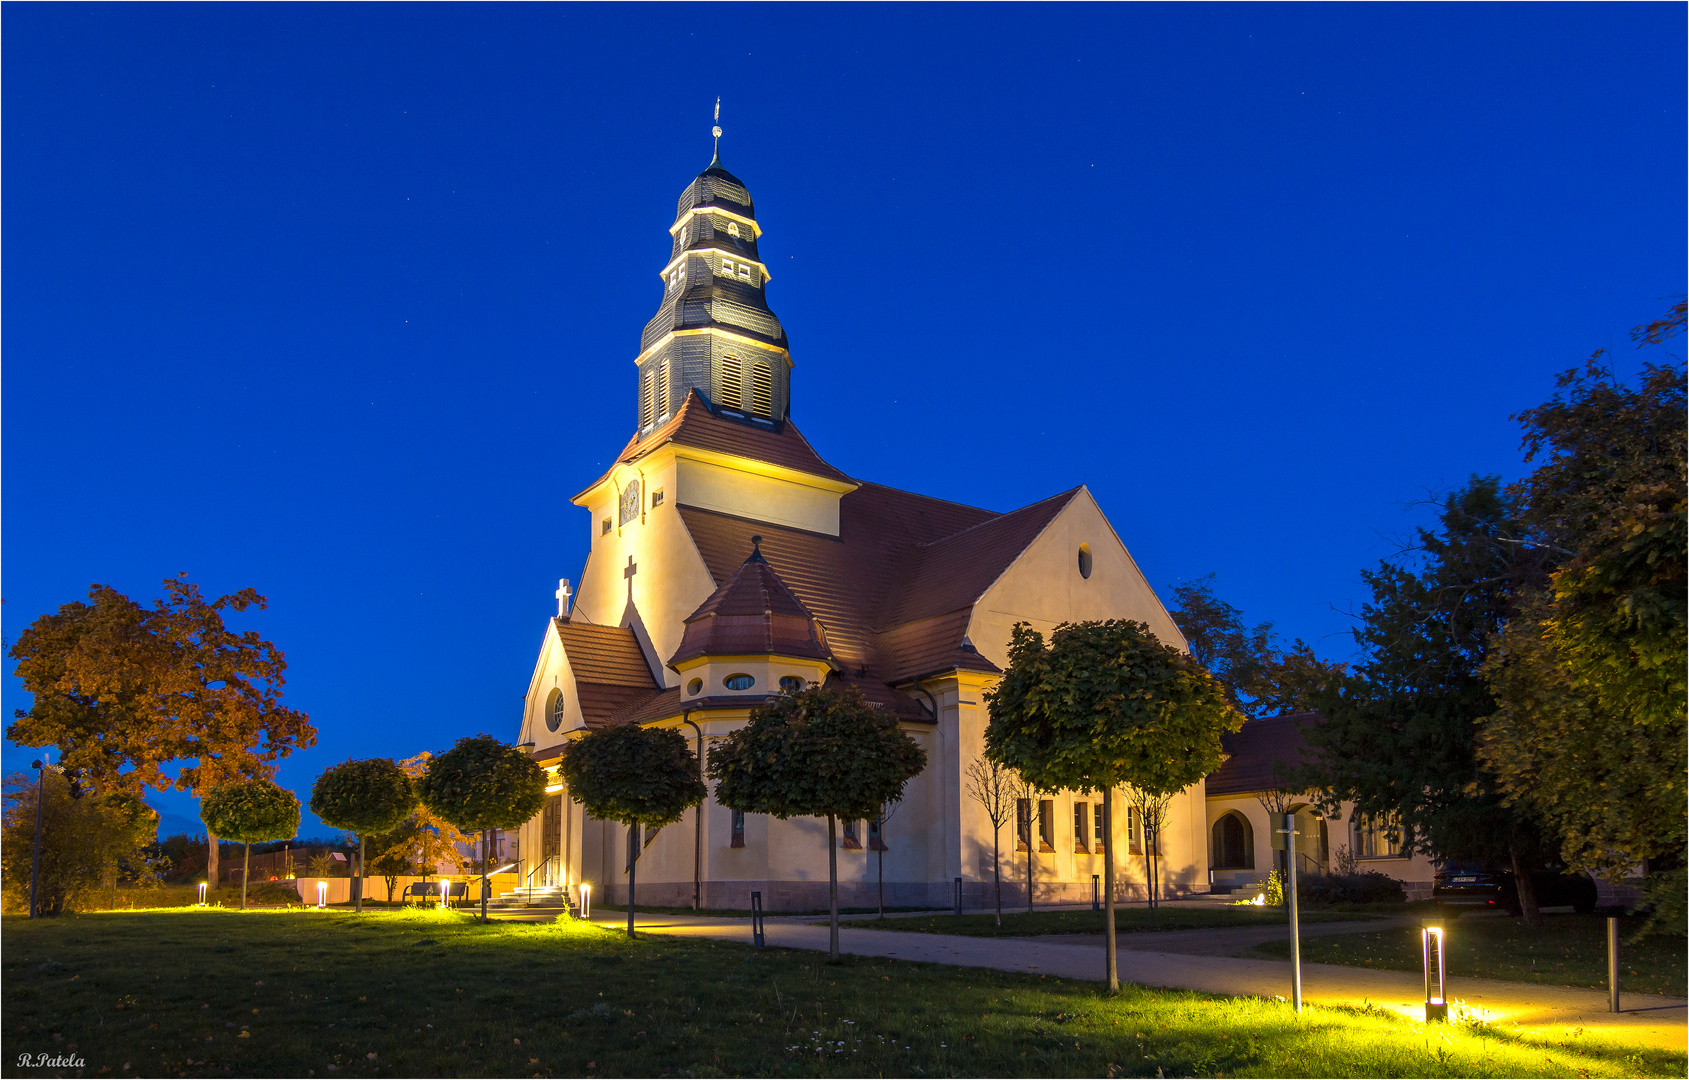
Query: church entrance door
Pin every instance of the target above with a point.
(551, 841)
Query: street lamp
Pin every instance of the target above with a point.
(1289, 832)
(1436, 1005)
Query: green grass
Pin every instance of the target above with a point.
(426, 993)
(1126, 920)
(1570, 950)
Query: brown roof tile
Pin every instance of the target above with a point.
(1260, 751)
(752, 612)
(611, 675)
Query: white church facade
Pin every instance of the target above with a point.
(730, 561)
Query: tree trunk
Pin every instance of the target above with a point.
(997, 872)
(212, 867)
(833, 888)
(486, 879)
(244, 870)
(1525, 890)
(358, 880)
(882, 868)
(1029, 864)
(633, 863)
(1110, 952)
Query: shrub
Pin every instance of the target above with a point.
(1368, 887)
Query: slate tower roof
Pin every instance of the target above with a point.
(713, 331)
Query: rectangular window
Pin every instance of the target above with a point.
(1102, 836)
(1023, 823)
(1080, 833)
(1046, 825)
(656, 498)
(762, 391)
(744, 271)
(1134, 832)
(738, 828)
(876, 836)
(1377, 838)
(727, 268)
(851, 835)
(604, 527)
(651, 834)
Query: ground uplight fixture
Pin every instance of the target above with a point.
(202, 887)
(322, 894)
(1431, 944)
(445, 892)
(586, 900)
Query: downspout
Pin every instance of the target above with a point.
(697, 816)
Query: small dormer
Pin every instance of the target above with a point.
(752, 637)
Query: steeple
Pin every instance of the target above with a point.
(713, 330)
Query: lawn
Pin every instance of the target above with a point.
(1570, 950)
(1126, 920)
(429, 993)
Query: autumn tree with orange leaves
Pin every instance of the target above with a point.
(160, 697)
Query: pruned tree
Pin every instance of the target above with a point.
(1152, 815)
(991, 785)
(1025, 793)
(250, 811)
(126, 691)
(480, 784)
(366, 798)
(887, 812)
(639, 776)
(1106, 704)
(820, 752)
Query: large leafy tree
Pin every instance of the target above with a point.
(636, 775)
(481, 784)
(1589, 730)
(822, 752)
(368, 798)
(1400, 734)
(251, 811)
(1106, 704)
(1261, 677)
(127, 692)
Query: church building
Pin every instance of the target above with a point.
(731, 562)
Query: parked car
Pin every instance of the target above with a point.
(1475, 883)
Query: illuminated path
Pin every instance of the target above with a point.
(1550, 1011)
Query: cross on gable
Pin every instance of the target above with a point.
(563, 593)
(628, 571)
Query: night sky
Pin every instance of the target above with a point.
(341, 302)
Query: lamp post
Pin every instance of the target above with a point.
(1289, 832)
(1612, 964)
(1436, 1005)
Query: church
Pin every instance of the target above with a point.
(731, 562)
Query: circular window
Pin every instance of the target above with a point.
(1084, 560)
(554, 710)
(740, 681)
(694, 688)
(791, 684)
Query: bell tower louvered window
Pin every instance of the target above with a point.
(762, 390)
(662, 391)
(727, 383)
(647, 394)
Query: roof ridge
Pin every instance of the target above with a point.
(930, 544)
(931, 498)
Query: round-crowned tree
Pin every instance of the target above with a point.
(637, 776)
(366, 798)
(1105, 704)
(251, 811)
(480, 784)
(821, 752)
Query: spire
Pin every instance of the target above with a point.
(715, 162)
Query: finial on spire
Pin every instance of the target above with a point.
(756, 550)
(716, 131)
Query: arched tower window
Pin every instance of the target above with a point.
(728, 392)
(1234, 843)
(762, 390)
(554, 711)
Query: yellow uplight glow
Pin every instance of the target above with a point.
(554, 789)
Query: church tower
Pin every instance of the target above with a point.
(713, 331)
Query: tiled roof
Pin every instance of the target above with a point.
(611, 675)
(752, 612)
(859, 585)
(1260, 751)
(695, 425)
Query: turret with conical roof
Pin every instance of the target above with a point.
(752, 613)
(713, 331)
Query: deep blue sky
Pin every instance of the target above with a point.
(341, 301)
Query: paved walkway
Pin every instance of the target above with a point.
(1550, 1010)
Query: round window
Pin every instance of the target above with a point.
(1084, 560)
(554, 710)
(694, 688)
(791, 684)
(740, 681)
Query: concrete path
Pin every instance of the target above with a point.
(1221, 941)
(1524, 1007)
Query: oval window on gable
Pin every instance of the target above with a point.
(554, 710)
(740, 681)
(1084, 560)
(791, 684)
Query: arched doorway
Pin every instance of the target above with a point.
(1233, 843)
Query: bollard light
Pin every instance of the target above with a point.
(322, 894)
(1431, 943)
(202, 887)
(445, 893)
(586, 900)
